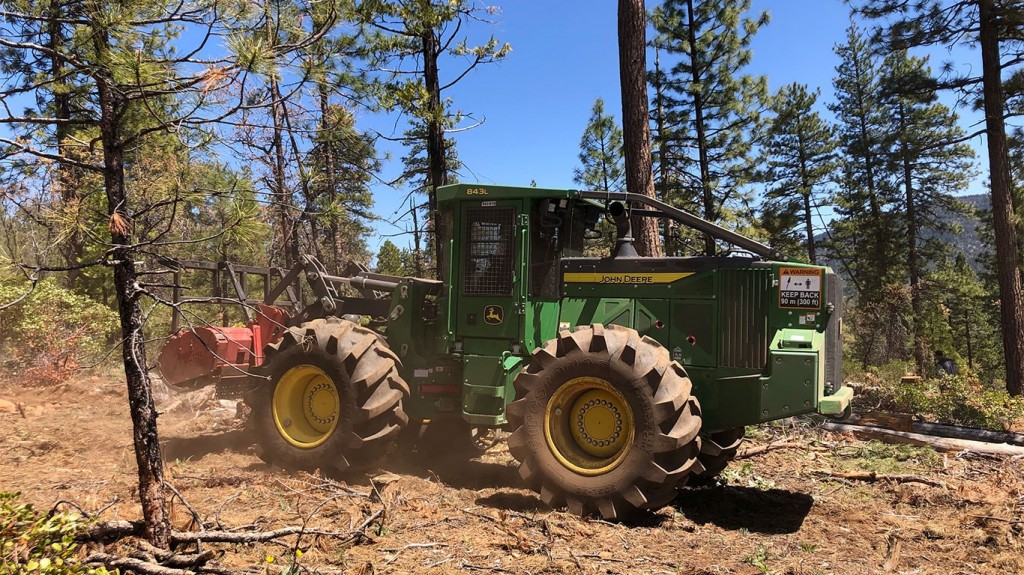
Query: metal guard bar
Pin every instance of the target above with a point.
(714, 230)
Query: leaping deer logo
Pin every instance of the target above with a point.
(494, 315)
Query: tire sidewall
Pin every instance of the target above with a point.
(276, 448)
(639, 397)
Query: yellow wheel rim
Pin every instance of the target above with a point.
(588, 425)
(306, 406)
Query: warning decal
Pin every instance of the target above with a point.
(800, 288)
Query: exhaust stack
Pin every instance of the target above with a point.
(624, 236)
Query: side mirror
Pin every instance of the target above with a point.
(551, 212)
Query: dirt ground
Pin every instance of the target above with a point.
(778, 512)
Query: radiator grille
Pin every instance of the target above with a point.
(744, 317)
(490, 241)
(833, 334)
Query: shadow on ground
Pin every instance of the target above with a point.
(236, 440)
(774, 511)
(442, 452)
(454, 471)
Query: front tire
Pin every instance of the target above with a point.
(605, 422)
(334, 399)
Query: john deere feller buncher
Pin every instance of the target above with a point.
(620, 378)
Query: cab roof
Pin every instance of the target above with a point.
(487, 191)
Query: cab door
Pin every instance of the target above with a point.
(490, 289)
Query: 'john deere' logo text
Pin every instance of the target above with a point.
(493, 314)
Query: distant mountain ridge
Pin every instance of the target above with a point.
(967, 241)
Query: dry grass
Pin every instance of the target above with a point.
(776, 514)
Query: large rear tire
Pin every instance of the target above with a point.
(334, 399)
(717, 449)
(604, 422)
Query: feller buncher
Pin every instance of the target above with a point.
(620, 378)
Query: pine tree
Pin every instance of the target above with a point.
(995, 28)
(709, 108)
(342, 163)
(861, 236)
(315, 166)
(930, 166)
(1015, 151)
(799, 157)
(601, 168)
(51, 25)
(672, 182)
(92, 61)
(418, 37)
(601, 160)
(961, 316)
(416, 166)
(865, 193)
(389, 260)
(667, 180)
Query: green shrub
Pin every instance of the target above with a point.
(891, 372)
(52, 331)
(33, 543)
(960, 400)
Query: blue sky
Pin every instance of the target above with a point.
(564, 55)
(535, 103)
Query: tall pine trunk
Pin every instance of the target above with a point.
(700, 133)
(327, 132)
(308, 215)
(133, 350)
(287, 227)
(872, 295)
(287, 230)
(812, 255)
(417, 241)
(65, 176)
(437, 168)
(670, 247)
(1002, 201)
(913, 261)
(806, 188)
(636, 131)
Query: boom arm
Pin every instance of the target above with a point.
(714, 230)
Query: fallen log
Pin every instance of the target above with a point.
(109, 531)
(132, 564)
(905, 422)
(921, 440)
(969, 433)
(149, 560)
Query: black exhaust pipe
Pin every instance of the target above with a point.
(624, 240)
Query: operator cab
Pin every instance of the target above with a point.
(518, 258)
